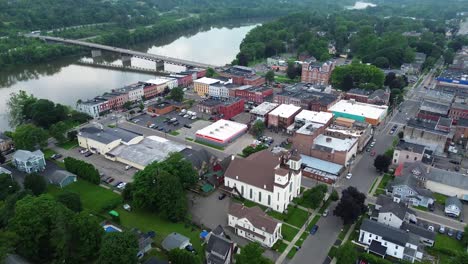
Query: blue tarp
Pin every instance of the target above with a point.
(203, 234)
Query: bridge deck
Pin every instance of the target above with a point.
(137, 54)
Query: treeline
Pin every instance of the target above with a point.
(82, 169)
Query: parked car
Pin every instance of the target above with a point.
(88, 154)
(194, 117)
(325, 213)
(186, 115)
(222, 196)
(190, 248)
(56, 156)
(128, 167)
(109, 180)
(349, 175)
(430, 228)
(118, 183)
(459, 235)
(442, 229)
(372, 153)
(187, 126)
(314, 230)
(368, 149)
(455, 162)
(450, 232)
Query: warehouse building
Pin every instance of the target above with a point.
(221, 133)
(369, 113)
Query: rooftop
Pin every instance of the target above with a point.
(460, 106)
(25, 155)
(308, 128)
(255, 215)
(131, 87)
(107, 135)
(387, 233)
(206, 80)
(359, 109)
(263, 109)
(435, 107)
(415, 148)
(150, 149)
(336, 144)
(322, 165)
(462, 122)
(313, 117)
(285, 110)
(159, 80)
(222, 129)
(214, 102)
(453, 74)
(439, 96)
(240, 71)
(424, 124)
(174, 240)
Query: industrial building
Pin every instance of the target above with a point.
(221, 133)
(369, 113)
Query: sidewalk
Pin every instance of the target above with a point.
(295, 239)
(375, 186)
(348, 234)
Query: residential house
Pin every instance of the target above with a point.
(408, 188)
(201, 160)
(453, 206)
(144, 241)
(5, 171)
(395, 214)
(254, 224)
(384, 240)
(61, 178)
(426, 236)
(6, 143)
(410, 152)
(29, 162)
(219, 249)
(175, 240)
(265, 178)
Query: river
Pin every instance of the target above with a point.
(65, 82)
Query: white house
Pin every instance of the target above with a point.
(265, 178)
(453, 206)
(90, 107)
(385, 240)
(254, 224)
(394, 214)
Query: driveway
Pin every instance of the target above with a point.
(315, 248)
(209, 211)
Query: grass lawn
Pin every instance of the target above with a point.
(373, 184)
(342, 234)
(295, 216)
(288, 232)
(332, 252)
(291, 253)
(379, 191)
(189, 139)
(92, 196)
(312, 223)
(446, 242)
(279, 246)
(146, 221)
(174, 133)
(386, 178)
(209, 145)
(422, 208)
(48, 153)
(440, 198)
(301, 240)
(69, 144)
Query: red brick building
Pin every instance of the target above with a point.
(256, 94)
(183, 80)
(317, 73)
(219, 109)
(458, 111)
(241, 75)
(151, 90)
(115, 100)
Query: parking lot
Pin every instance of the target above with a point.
(159, 121)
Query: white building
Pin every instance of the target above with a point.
(135, 91)
(337, 150)
(102, 140)
(221, 90)
(261, 112)
(453, 207)
(164, 81)
(385, 240)
(307, 116)
(369, 113)
(221, 133)
(254, 224)
(265, 178)
(90, 107)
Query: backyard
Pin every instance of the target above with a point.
(442, 248)
(288, 232)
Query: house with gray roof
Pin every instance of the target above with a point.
(384, 240)
(395, 214)
(426, 237)
(102, 140)
(29, 162)
(453, 206)
(409, 188)
(201, 159)
(61, 178)
(410, 152)
(219, 249)
(175, 240)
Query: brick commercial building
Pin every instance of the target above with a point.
(261, 112)
(165, 107)
(434, 135)
(345, 128)
(317, 73)
(461, 132)
(241, 75)
(410, 152)
(254, 94)
(115, 100)
(377, 97)
(222, 109)
(307, 96)
(369, 113)
(433, 110)
(282, 116)
(458, 110)
(321, 170)
(155, 87)
(336, 150)
(303, 138)
(183, 80)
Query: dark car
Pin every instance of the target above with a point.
(88, 154)
(168, 130)
(119, 182)
(450, 232)
(459, 235)
(187, 126)
(56, 156)
(110, 180)
(161, 128)
(455, 162)
(222, 196)
(314, 229)
(190, 248)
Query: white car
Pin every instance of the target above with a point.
(430, 228)
(187, 115)
(194, 117)
(349, 175)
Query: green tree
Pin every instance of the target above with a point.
(291, 71)
(177, 94)
(58, 131)
(381, 62)
(258, 128)
(84, 239)
(334, 196)
(314, 196)
(465, 237)
(351, 205)
(29, 137)
(17, 107)
(7, 239)
(141, 106)
(364, 76)
(382, 162)
(210, 72)
(182, 256)
(346, 254)
(45, 113)
(82, 169)
(8, 186)
(176, 165)
(36, 183)
(40, 225)
(7, 211)
(252, 254)
(172, 201)
(71, 200)
(270, 76)
(127, 105)
(118, 248)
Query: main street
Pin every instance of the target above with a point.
(315, 248)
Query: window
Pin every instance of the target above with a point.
(242, 190)
(278, 197)
(396, 247)
(251, 193)
(269, 199)
(394, 161)
(259, 196)
(290, 187)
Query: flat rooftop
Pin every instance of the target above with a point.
(460, 106)
(285, 110)
(263, 109)
(222, 129)
(308, 128)
(214, 102)
(439, 108)
(416, 148)
(335, 143)
(359, 109)
(427, 125)
(322, 165)
(159, 81)
(206, 80)
(107, 135)
(150, 149)
(313, 117)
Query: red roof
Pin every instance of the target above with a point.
(399, 169)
